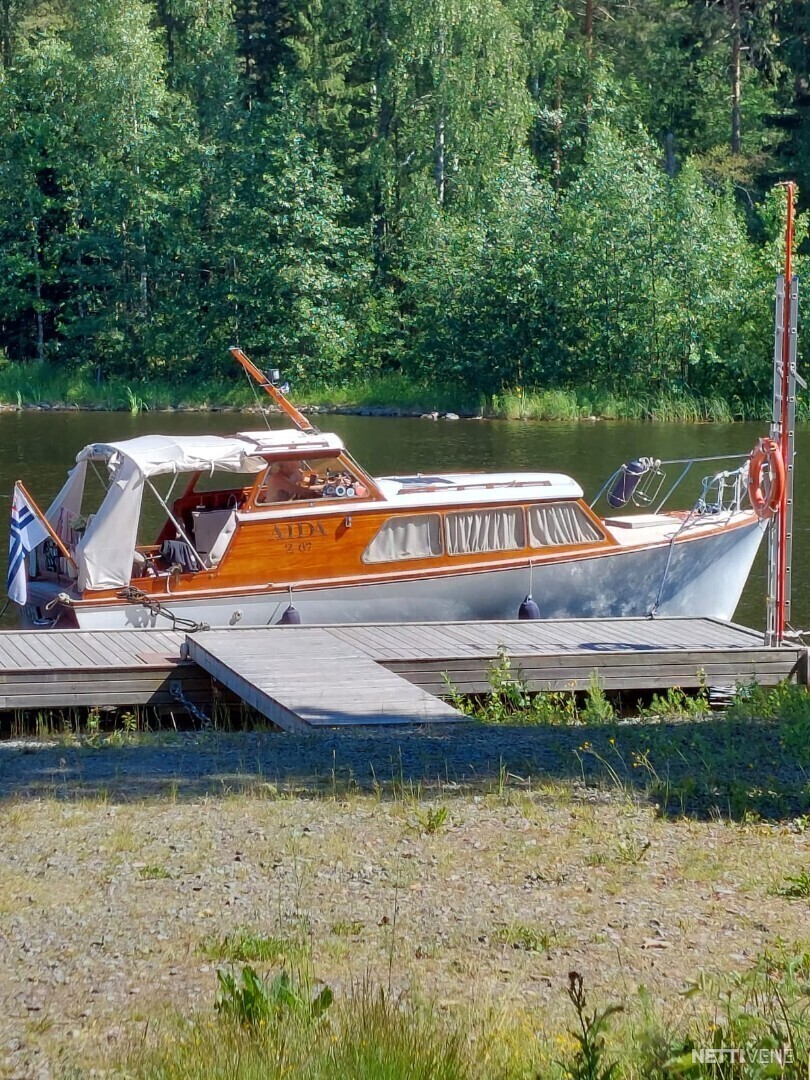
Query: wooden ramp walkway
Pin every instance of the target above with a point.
(307, 677)
(313, 678)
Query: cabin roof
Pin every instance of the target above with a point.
(464, 488)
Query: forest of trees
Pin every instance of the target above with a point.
(484, 193)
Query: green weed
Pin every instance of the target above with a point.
(525, 938)
(589, 1061)
(596, 709)
(347, 928)
(255, 1001)
(675, 704)
(432, 819)
(153, 873)
(796, 888)
(246, 946)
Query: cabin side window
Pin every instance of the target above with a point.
(406, 537)
(556, 524)
(473, 531)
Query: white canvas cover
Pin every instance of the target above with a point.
(155, 455)
(64, 511)
(106, 551)
(68, 503)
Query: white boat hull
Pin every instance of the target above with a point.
(705, 577)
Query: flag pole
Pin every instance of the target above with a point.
(53, 535)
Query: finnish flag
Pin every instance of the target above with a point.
(27, 530)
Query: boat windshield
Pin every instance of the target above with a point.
(305, 479)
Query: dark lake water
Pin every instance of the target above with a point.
(38, 448)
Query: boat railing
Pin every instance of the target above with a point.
(640, 482)
(473, 485)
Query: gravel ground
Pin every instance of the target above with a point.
(119, 864)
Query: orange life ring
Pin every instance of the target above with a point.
(768, 499)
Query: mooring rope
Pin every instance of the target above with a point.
(154, 607)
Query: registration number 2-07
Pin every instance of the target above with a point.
(302, 546)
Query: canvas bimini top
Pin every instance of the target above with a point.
(156, 455)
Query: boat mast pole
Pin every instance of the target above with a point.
(788, 400)
(273, 391)
(782, 430)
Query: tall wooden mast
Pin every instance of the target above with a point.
(783, 424)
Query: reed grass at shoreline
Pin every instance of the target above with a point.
(38, 386)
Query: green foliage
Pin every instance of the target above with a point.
(589, 1061)
(787, 704)
(526, 938)
(509, 701)
(247, 946)
(275, 1030)
(484, 196)
(255, 1001)
(763, 1009)
(796, 887)
(675, 704)
(432, 819)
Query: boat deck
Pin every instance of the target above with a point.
(308, 677)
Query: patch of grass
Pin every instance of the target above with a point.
(280, 1029)
(347, 928)
(35, 384)
(266, 1029)
(796, 887)
(432, 819)
(245, 946)
(254, 1001)
(521, 403)
(153, 873)
(526, 938)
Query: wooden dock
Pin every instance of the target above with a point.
(307, 677)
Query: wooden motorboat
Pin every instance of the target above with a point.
(285, 525)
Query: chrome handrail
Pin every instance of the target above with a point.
(686, 462)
